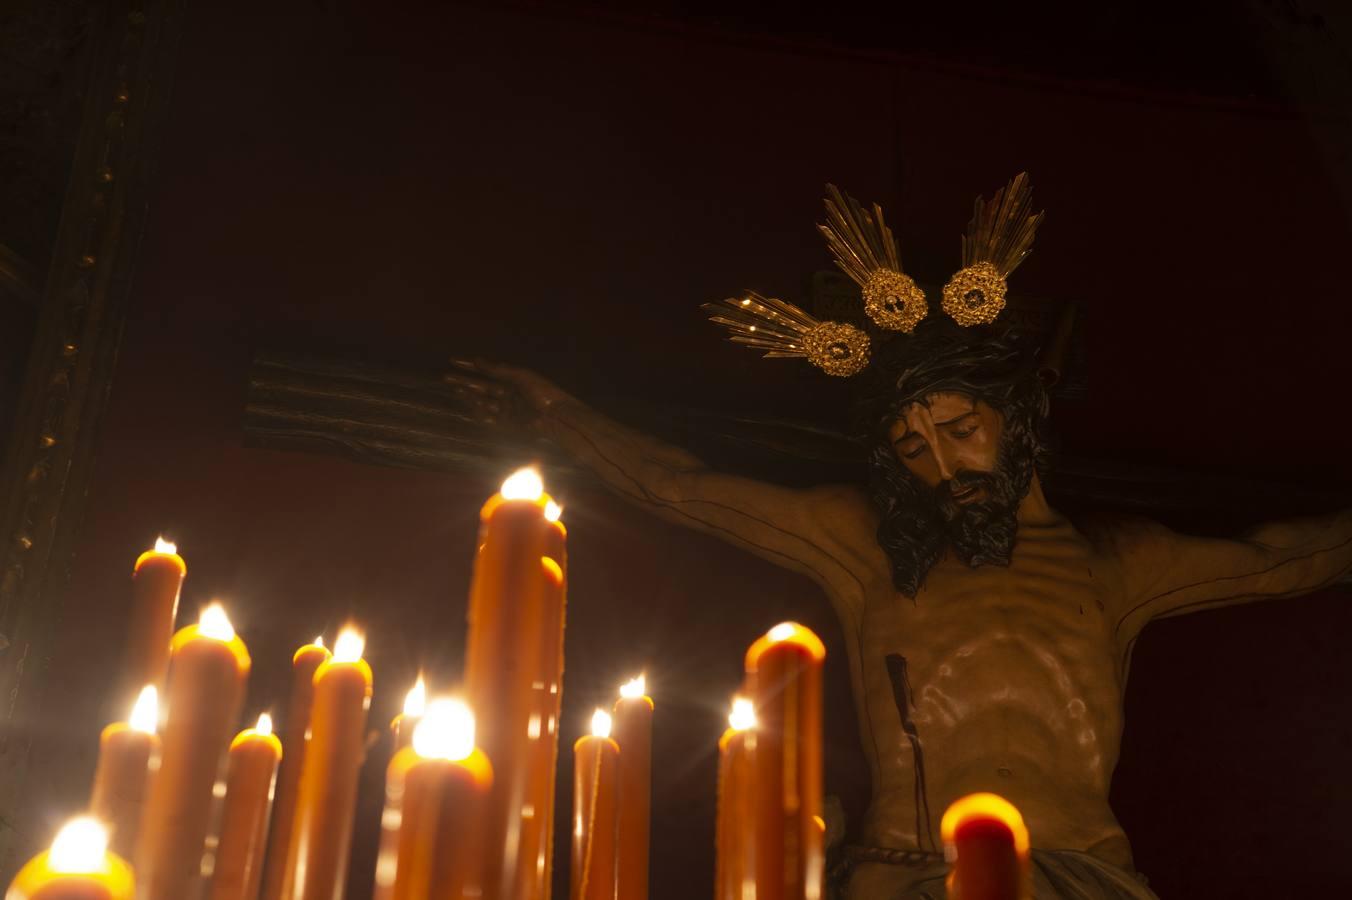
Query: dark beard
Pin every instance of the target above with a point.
(919, 523)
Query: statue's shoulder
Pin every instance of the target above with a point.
(1118, 534)
(847, 514)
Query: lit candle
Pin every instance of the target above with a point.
(252, 769)
(415, 703)
(296, 738)
(596, 761)
(77, 867)
(208, 668)
(513, 672)
(129, 752)
(735, 879)
(986, 844)
(436, 792)
(157, 578)
(784, 671)
(634, 734)
(316, 861)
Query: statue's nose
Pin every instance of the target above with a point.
(945, 463)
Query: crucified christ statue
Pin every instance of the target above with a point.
(988, 637)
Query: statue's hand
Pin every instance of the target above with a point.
(503, 394)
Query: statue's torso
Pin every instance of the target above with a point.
(997, 679)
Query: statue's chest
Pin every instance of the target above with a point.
(1035, 633)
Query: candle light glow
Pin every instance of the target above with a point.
(552, 511)
(984, 806)
(145, 714)
(264, 725)
(350, 645)
(415, 701)
(215, 624)
(523, 484)
(634, 689)
(600, 723)
(445, 732)
(743, 715)
(80, 848)
(318, 641)
(163, 546)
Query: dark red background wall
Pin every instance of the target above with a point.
(563, 194)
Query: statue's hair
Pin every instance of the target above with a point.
(987, 364)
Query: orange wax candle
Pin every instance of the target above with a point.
(252, 769)
(986, 843)
(634, 734)
(128, 754)
(316, 861)
(784, 669)
(295, 739)
(209, 665)
(547, 695)
(415, 703)
(513, 670)
(156, 580)
(77, 867)
(596, 763)
(436, 792)
(735, 878)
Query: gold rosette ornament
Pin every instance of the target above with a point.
(784, 330)
(998, 238)
(866, 251)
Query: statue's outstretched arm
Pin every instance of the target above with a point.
(820, 532)
(1169, 574)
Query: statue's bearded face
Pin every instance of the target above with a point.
(951, 480)
(949, 442)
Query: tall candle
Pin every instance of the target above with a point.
(295, 739)
(157, 578)
(634, 734)
(547, 701)
(513, 669)
(436, 792)
(415, 703)
(986, 844)
(316, 861)
(209, 665)
(596, 760)
(77, 867)
(252, 769)
(736, 872)
(128, 754)
(784, 670)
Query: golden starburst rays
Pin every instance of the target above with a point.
(866, 251)
(998, 238)
(783, 330)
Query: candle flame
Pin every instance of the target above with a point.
(264, 725)
(215, 624)
(984, 806)
(634, 689)
(552, 511)
(318, 641)
(350, 645)
(145, 713)
(743, 715)
(80, 848)
(601, 723)
(163, 546)
(415, 701)
(446, 731)
(782, 632)
(523, 484)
